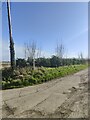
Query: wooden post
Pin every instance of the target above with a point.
(12, 51)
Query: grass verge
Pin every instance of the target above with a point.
(25, 76)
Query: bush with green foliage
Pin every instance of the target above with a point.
(25, 76)
(21, 62)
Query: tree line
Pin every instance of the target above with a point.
(33, 57)
(54, 61)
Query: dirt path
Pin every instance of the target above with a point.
(66, 97)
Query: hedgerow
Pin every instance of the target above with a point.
(25, 76)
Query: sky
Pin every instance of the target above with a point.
(48, 24)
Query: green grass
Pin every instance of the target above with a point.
(26, 77)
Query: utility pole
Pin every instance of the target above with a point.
(12, 51)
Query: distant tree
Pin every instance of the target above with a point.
(38, 55)
(31, 52)
(81, 59)
(55, 61)
(25, 50)
(21, 62)
(45, 62)
(60, 50)
(30, 61)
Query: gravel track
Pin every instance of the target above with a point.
(66, 97)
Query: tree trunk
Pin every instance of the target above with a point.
(33, 64)
(12, 51)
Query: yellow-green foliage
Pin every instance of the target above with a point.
(25, 76)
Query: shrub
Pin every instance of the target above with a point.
(21, 62)
(16, 73)
(7, 73)
(32, 80)
(25, 76)
(23, 71)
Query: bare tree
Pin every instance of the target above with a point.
(25, 50)
(33, 48)
(60, 50)
(38, 52)
(80, 56)
(38, 55)
(30, 51)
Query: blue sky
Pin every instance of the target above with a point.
(47, 24)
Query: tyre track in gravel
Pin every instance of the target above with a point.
(54, 99)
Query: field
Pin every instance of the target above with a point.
(25, 76)
(4, 64)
